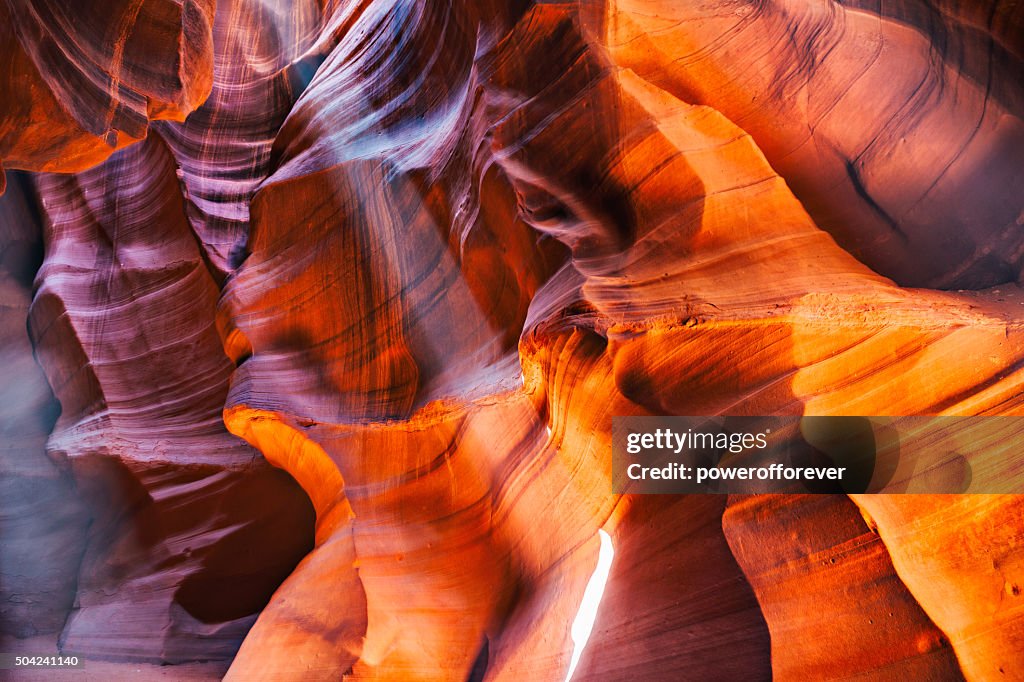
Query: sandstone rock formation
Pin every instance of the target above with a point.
(85, 79)
(411, 257)
(182, 536)
(42, 521)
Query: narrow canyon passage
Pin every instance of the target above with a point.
(316, 316)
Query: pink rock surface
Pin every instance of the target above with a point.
(337, 345)
(191, 530)
(42, 520)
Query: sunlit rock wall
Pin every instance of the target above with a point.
(338, 329)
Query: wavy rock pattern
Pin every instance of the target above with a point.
(42, 524)
(966, 574)
(418, 254)
(84, 79)
(222, 151)
(181, 549)
(898, 125)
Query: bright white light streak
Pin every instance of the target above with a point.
(583, 625)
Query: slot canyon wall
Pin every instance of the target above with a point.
(315, 315)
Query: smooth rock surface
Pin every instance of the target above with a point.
(338, 339)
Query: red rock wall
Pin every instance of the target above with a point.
(42, 520)
(338, 343)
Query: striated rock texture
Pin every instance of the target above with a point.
(83, 79)
(338, 339)
(190, 529)
(896, 124)
(799, 552)
(42, 520)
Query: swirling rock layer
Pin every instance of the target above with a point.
(184, 540)
(83, 79)
(42, 521)
(413, 257)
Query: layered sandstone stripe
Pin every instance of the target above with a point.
(416, 255)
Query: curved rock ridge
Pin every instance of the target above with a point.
(680, 246)
(966, 575)
(263, 56)
(900, 132)
(799, 552)
(190, 529)
(157, 472)
(337, 352)
(42, 521)
(84, 79)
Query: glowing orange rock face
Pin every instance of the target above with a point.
(417, 255)
(82, 80)
(897, 126)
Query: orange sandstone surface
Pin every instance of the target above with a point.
(316, 315)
